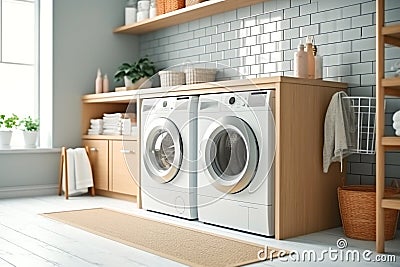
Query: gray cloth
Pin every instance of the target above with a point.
(340, 130)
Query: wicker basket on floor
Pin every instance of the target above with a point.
(193, 2)
(172, 5)
(357, 205)
(171, 78)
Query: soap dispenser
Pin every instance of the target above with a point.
(300, 62)
(310, 57)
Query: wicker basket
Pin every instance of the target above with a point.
(199, 75)
(171, 78)
(172, 5)
(357, 205)
(193, 2)
(160, 7)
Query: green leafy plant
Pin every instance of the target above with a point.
(29, 124)
(134, 72)
(10, 122)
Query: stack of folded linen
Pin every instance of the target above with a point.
(396, 122)
(96, 127)
(112, 124)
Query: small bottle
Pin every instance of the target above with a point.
(300, 62)
(130, 12)
(105, 84)
(99, 82)
(310, 58)
(318, 64)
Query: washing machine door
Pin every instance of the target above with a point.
(163, 150)
(231, 154)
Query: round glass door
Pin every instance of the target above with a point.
(231, 154)
(163, 150)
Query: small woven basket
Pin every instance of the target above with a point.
(172, 5)
(193, 2)
(160, 7)
(171, 78)
(357, 204)
(200, 75)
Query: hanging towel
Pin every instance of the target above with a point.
(83, 171)
(339, 130)
(71, 168)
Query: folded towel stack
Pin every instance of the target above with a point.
(96, 127)
(396, 122)
(112, 124)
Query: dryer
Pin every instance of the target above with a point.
(169, 150)
(236, 138)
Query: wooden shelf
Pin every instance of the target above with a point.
(190, 13)
(392, 202)
(391, 34)
(391, 86)
(392, 141)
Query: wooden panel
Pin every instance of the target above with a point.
(126, 197)
(306, 198)
(391, 141)
(98, 155)
(190, 13)
(125, 164)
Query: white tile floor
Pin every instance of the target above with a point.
(28, 239)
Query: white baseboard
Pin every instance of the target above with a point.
(28, 191)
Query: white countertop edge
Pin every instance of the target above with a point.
(16, 150)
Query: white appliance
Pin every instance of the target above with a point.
(236, 141)
(169, 150)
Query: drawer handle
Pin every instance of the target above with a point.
(93, 149)
(125, 151)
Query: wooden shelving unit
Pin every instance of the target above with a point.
(197, 11)
(384, 87)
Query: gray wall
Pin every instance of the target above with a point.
(260, 40)
(83, 41)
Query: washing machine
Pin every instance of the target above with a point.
(236, 138)
(169, 150)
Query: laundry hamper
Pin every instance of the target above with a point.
(172, 5)
(357, 204)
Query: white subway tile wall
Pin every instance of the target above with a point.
(259, 41)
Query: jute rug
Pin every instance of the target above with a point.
(181, 244)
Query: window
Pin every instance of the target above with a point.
(18, 64)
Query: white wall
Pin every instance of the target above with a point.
(82, 42)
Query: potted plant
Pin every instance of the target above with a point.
(30, 128)
(6, 126)
(136, 75)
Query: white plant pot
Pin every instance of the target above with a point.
(30, 138)
(5, 138)
(142, 83)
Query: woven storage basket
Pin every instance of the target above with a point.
(160, 7)
(357, 205)
(199, 75)
(171, 78)
(172, 5)
(193, 2)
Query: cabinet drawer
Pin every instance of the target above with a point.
(124, 172)
(98, 155)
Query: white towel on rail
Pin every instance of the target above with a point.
(71, 169)
(83, 170)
